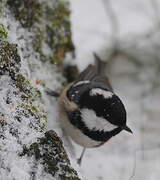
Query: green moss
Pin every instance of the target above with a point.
(24, 85)
(56, 33)
(3, 31)
(9, 59)
(10, 64)
(2, 120)
(67, 173)
(50, 25)
(59, 31)
(9, 55)
(50, 152)
(27, 12)
(38, 40)
(27, 106)
(29, 110)
(35, 109)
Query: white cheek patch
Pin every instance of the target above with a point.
(96, 123)
(104, 93)
(81, 82)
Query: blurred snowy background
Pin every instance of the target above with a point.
(125, 34)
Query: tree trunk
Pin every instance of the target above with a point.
(34, 36)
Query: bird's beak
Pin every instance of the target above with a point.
(126, 128)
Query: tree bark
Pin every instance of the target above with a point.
(34, 36)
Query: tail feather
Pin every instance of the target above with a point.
(96, 73)
(101, 71)
(99, 65)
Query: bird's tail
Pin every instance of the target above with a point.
(99, 65)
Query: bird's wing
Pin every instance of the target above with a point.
(103, 81)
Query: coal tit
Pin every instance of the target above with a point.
(89, 110)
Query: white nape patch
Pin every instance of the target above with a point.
(96, 123)
(104, 93)
(81, 82)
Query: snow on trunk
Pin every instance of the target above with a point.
(34, 35)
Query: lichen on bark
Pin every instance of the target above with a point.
(3, 31)
(49, 151)
(9, 59)
(37, 34)
(23, 90)
(50, 25)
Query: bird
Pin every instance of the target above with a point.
(90, 112)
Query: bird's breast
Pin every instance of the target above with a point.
(75, 133)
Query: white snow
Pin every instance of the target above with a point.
(12, 166)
